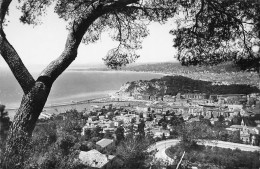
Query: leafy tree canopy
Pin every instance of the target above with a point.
(208, 31)
(126, 21)
(214, 31)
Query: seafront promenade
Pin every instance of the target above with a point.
(69, 103)
(57, 108)
(79, 105)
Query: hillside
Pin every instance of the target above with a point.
(177, 67)
(225, 73)
(171, 85)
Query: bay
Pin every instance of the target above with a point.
(72, 85)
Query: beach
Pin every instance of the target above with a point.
(73, 86)
(83, 105)
(75, 103)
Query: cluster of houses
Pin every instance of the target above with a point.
(239, 113)
(190, 106)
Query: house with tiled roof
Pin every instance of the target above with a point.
(95, 160)
(105, 144)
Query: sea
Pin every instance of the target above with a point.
(72, 85)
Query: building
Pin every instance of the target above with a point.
(256, 110)
(142, 97)
(198, 96)
(92, 118)
(45, 115)
(235, 107)
(105, 144)
(118, 123)
(168, 98)
(249, 135)
(95, 160)
(89, 126)
(142, 108)
(109, 130)
(231, 96)
(160, 133)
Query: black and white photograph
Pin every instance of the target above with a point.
(129, 84)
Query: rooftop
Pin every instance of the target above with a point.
(236, 126)
(104, 142)
(94, 158)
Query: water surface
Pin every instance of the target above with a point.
(72, 85)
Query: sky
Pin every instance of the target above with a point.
(39, 45)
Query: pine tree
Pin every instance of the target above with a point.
(4, 123)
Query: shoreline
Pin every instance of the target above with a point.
(68, 99)
(13, 101)
(59, 107)
(120, 71)
(80, 106)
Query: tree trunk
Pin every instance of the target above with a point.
(258, 81)
(36, 92)
(24, 123)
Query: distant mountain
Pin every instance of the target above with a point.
(90, 66)
(169, 67)
(171, 85)
(226, 73)
(165, 67)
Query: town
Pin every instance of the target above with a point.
(233, 117)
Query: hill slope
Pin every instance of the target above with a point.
(225, 73)
(171, 85)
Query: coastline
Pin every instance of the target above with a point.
(79, 101)
(122, 71)
(69, 102)
(82, 105)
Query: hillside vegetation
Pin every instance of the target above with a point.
(171, 85)
(177, 67)
(226, 73)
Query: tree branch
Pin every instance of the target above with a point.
(4, 4)
(56, 67)
(11, 57)
(198, 15)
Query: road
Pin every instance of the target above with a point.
(224, 144)
(161, 146)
